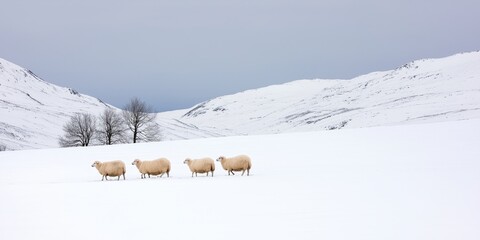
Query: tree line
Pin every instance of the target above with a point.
(135, 123)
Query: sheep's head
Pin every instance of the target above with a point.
(135, 162)
(95, 163)
(221, 158)
(187, 161)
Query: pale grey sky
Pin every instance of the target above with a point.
(174, 54)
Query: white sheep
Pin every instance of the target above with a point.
(155, 167)
(238, 163)
(110, 169)
(203, 165)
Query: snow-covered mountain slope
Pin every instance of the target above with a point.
(396, 183)
(428, 90)
(33, 111)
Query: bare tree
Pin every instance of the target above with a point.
(78, 131)
(111, 128)
(140, 120)
(3, 147)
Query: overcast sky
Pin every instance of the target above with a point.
(174, 54)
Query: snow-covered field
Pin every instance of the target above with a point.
(404, 182)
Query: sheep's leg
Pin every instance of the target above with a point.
(207, 174)
(149, 175)
(103, 177)
(212, 173)
(118, 179)
(192, 174)
(168, 174)
(243, 172)
(248, 172)
(123, 176)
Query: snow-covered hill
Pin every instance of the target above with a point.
(395, 182)
(429, 90)
(33, 112)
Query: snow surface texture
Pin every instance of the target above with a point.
(431, 90)
(396, 182)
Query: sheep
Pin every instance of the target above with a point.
(238, 163)
(155, 167)
(112, 169)
(203, 165)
